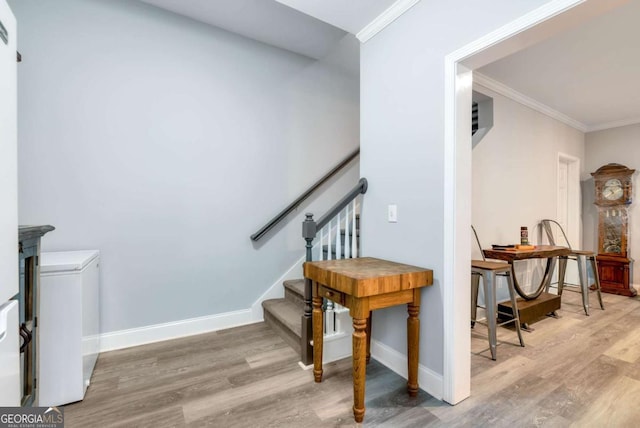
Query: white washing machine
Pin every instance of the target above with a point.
(69, 325)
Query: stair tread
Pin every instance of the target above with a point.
(296, 286)
(287, 312)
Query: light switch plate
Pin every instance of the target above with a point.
(392, 214)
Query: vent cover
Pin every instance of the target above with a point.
(4, 34)
(481, 117)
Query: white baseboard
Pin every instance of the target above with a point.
(428, 380)
(173, 330)
(336, 347)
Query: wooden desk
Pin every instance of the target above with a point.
(363, 285)
(534, 305)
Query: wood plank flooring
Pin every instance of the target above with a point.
(575, 371)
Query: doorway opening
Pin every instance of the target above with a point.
(554, 17)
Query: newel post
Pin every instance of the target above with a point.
(309, 230)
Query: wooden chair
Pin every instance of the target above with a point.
(489, 271)
(581, 257)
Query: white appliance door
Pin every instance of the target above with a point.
(9, 355)
(8, 156)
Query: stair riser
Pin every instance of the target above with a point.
(291, 338)
(294, 297)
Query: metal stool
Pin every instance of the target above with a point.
(579, 256)
(489, 271)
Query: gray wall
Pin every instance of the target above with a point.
(616, 145)
(402, 117)
(165, 143)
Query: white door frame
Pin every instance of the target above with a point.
(551, 18)
(574, 225)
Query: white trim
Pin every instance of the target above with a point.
(573, 227)
(392, 13)
(336, 347)
(206, 324)
(339, 345)
(507, 91)
(173, 330)
(457, 219)
(454, 388)
(428, 380)
(523, 99)
(531, 19)
(614, 124)
(276, 291)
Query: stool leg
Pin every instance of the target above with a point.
(596, 277)
(562, 269)
(584, 287)
(489, 282)
(514, 305)
(475, 284)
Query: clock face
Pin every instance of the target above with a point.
(612, 189)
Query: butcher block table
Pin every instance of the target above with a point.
(363, 285)
(538, 303)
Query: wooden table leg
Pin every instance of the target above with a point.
(359, 366)
(369, 338)
(318, 336)
(413, 343)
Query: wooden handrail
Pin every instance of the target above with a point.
(300, 199)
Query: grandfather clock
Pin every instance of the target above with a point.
(613, 197)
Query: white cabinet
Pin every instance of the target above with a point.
(69, 324)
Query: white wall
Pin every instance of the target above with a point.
(515, 174)
(616, 145)
(402, 116)
(165, 143)
(8, 160)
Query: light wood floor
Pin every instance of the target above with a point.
(574, 371)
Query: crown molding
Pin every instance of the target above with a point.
(392, 13)
(614, 124)
(518, 97)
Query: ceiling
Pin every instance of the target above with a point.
(591, 73)
(308, 27)
(586, 76)
(264, 20)
(350, 15)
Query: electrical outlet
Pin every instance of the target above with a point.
(392, 214)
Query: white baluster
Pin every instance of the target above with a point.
(329, 314)
(321, 255)
(354, 237)
(347, 247)
(338, 238)
(329, 240)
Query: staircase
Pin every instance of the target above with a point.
(284, 315)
